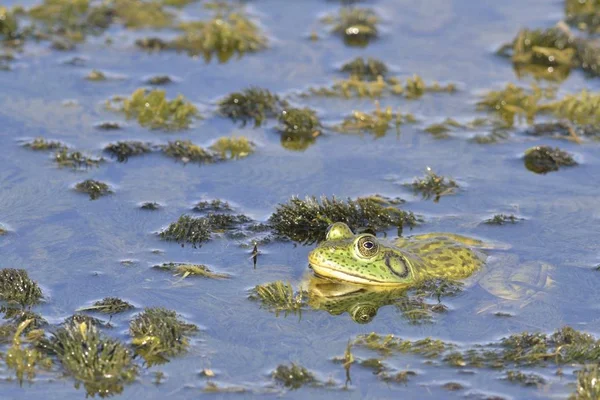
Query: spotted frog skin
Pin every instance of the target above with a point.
(367, 260)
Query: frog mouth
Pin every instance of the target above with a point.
(324, 270)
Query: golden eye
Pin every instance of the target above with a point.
(367, 246)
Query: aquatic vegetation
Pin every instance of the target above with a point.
(137, 14)
(279, 297)
(158, 333)
(109, 126)
(226, 34)
(159, 80)
(588, 384)
(151, 206)
(40, 144)
(299, 128)
(377, 123)
(365, 69)
(502, 219)
(17, 287)
(564, 130)
(103, 365)
(212, 206)
(153, 110)
(78, 318)
(75, 159)
(186, 151)
(293, 376)
(152, 44)
(252, 104)
(109, 305)
(306, 221)
(9, 28)
(583, 14)
(123, 150)
(95, 189)
(96, 75)
(397, 377)
(433, 185)
(232, 148)
(17, 314)
(544, 159)
(525, 379)
(2, 231)
(25, 361)
(357, 26)
(581, 109)
(196, 231)
(184, 270)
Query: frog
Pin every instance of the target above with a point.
(365, 260)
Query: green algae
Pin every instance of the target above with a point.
(564, 130)
(158, 333)
(232, 148)
(9, 27)
(25, 360)
(502, 219)
(252, 104)
(299, 128)
(78, 318)
(17, 315)
(376, 123)
(41, 144)
(357, 26)
(396, 377)
(279, 297)
(159, 80)
(123, 150)
(215, 205)
(152, 44)
(365, 69)
(184, 270)
(524, 379)
(95, 189)
(228, 33)
(583, 15)
(137, 14)
(150, 206)
(306, 221)
(582, 108)
(96, 76)
(588, 384)
(186, 151)
(544, 159)
(196, 231)
(152, 109)
(75, 159)
(293, 376)
(434, 186)
(17, 287)
(109, 305)
(103, 365)
(109, 126)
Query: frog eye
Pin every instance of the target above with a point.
(367, 246)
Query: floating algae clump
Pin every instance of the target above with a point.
(299, 128)
(524, 379)
(109, 305)
(96, 76)
(17, 314)
(153, 110)
(17, 287)
(279, 297)
(186, 151)
(252, 104)
(103, 365)
(306, 221)
(583, 14)
(588, 384)
(25, 361)
(184, 270)
(138, 14)
(502, 219)
(433, 185)
(212, 205)
(123, 150)
(41, 144)
(368, 69)
(377, 123)
(196, 231)
(158, 333)
(224, 35)
(9, 28)
(543, 159)
(75, 159)
(293, 376)
(232, 148)
(95, 189)
(581, 109)
(358, 26)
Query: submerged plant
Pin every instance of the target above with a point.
(433, 185)
(502, 219)
(212, 206)
(95, 189)
(588, 384)
(158, 333)
(279, 297)
(186, 151)
(232, 148)
(43, 144)
(299, 127)
(96, 76)
(222, 36)
(9, 27)
(583, 14)
(109, 305)
(17, 287)
(544, 159)
(196, 231)
(153, 110)
(25, 360)
(75, 159)
(151, 206)
(293, 376)
(184, 270)
(358, 26)
(368, 69)
(103, 365)
(580, 109)
(252, 104)
(123, 150)
(306, 221)
(377, 123)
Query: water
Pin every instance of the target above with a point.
(74, 247)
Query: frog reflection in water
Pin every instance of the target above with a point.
(388, 269)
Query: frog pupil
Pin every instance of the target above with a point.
(368, 245)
